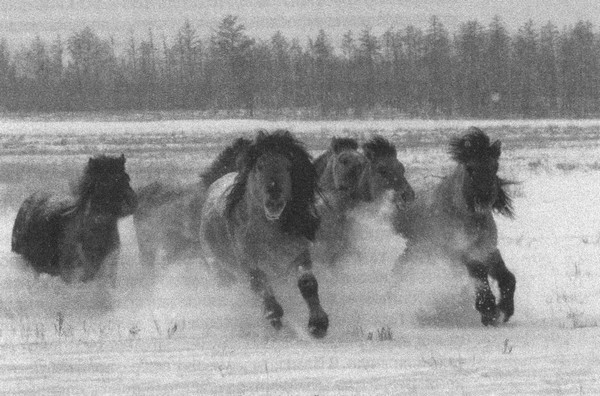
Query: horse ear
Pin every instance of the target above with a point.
(123, 159)
(91, 164)
(496, 149)
(261, 134)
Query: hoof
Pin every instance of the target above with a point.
(273, 312)
(490, 318)
(507, 310)
(318, 325)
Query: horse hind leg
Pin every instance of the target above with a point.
(506, 283)
(485, 302)
(272, 311)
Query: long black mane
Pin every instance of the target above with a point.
(475, 147)
(378, 147)
(472, 146)
(227, 161)
(299, 216)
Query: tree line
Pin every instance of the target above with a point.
(476, 71)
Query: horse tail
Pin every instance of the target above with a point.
(19, 231)
(37, 230)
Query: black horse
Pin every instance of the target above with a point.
(75, 237)
(168, 215)
(455, 221)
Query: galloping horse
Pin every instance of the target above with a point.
(74, 237)
(262, 219)
(168, 216)
(455, 221)
(345, 181)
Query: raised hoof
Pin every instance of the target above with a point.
(273, 312)
(318, 325)
(507, 311)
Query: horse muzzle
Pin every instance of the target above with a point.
(274, 209)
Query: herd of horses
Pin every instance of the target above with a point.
(264, 208)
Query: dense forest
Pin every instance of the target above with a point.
(476, 71)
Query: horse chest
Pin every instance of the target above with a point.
(98, 237)
(266, 246)
(475, 237)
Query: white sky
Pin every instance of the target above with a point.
(21, 20)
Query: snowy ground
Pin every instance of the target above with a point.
(180, 333)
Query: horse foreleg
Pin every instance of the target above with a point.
(111, 267)
(485, 302)
(318, 321)
(506, 283)
(271, 308)
(147, 243)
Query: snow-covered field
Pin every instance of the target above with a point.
(180, 333)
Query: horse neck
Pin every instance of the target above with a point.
(326, 180)
(89, 210)
(450, 193)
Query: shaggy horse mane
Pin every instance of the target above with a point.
(227, 161)
(98, 167)
(475, 146)
(299, 216)
(340, 144)
(378, 147)
(504, 204)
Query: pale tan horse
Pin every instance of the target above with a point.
(454, 221)
(345, 182)
(258, 224)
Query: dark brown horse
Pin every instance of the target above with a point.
(75, 237)
(259, 223)
(168, 215)
(455, 221)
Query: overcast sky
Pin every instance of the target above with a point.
(21, 20)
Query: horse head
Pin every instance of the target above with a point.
(347, 170)
(478, 159)
(388, 172)
(105, 185)
(270, 183)
(278, 178)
